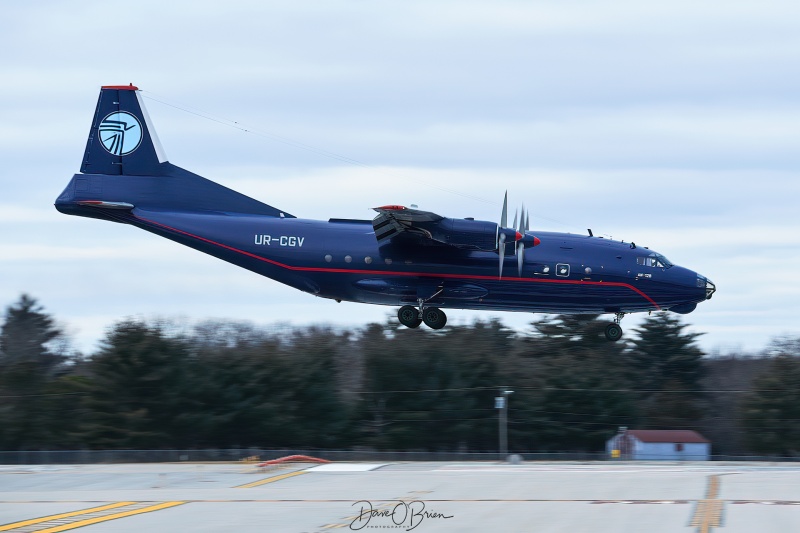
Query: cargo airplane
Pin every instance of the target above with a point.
(406, 257)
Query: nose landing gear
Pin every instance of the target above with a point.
(614, 330)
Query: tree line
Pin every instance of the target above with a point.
(225, 384)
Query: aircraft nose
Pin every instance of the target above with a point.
(710, 289)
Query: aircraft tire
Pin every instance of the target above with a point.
(613, 332)
(409, 316)
(434, 317)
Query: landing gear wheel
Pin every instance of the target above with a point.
(409, 316)
(613, 332)
(434, 317)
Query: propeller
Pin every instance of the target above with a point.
(523, 221)
(504, 215)
(518, 233)
(501, 251)
(501, 237)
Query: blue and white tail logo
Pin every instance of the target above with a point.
(120, 133)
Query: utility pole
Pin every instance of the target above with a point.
(501, 402)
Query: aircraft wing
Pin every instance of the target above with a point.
(396, 221)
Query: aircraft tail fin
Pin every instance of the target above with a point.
(122, 139)
(125, 166)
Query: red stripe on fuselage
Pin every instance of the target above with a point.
(397, 273)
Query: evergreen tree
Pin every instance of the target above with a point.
(309, 377)
(409, 361)
(577, 388)
(431, 390)
(137, 389)
(725, 376)
(668, 366)
(484, 353)
(665, 353)
(230, 384)
(29, 364)
(771, 411)
(250, 388)
(231, 400)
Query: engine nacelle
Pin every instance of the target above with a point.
(466, 233)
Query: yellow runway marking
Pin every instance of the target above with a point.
(24, 523)
(55, 523)
(708, 513)
(270, 480)
(91, 521)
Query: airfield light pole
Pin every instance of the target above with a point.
(501, 402)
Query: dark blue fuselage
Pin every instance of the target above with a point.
(342, 260)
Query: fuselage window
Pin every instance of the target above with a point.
(562, 269)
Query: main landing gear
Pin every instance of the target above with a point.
(411, 317)
(614, 330)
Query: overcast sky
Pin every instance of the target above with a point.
(674, 125)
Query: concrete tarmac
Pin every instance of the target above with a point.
(424, 497)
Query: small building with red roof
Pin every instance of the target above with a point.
(659, 445)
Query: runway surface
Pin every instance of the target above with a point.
(422, 497)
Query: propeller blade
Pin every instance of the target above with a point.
(501, 252)
(514, 225)
(520, 245)
(501, 237)
(504, 215)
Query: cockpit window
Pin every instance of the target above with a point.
(654, 260)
